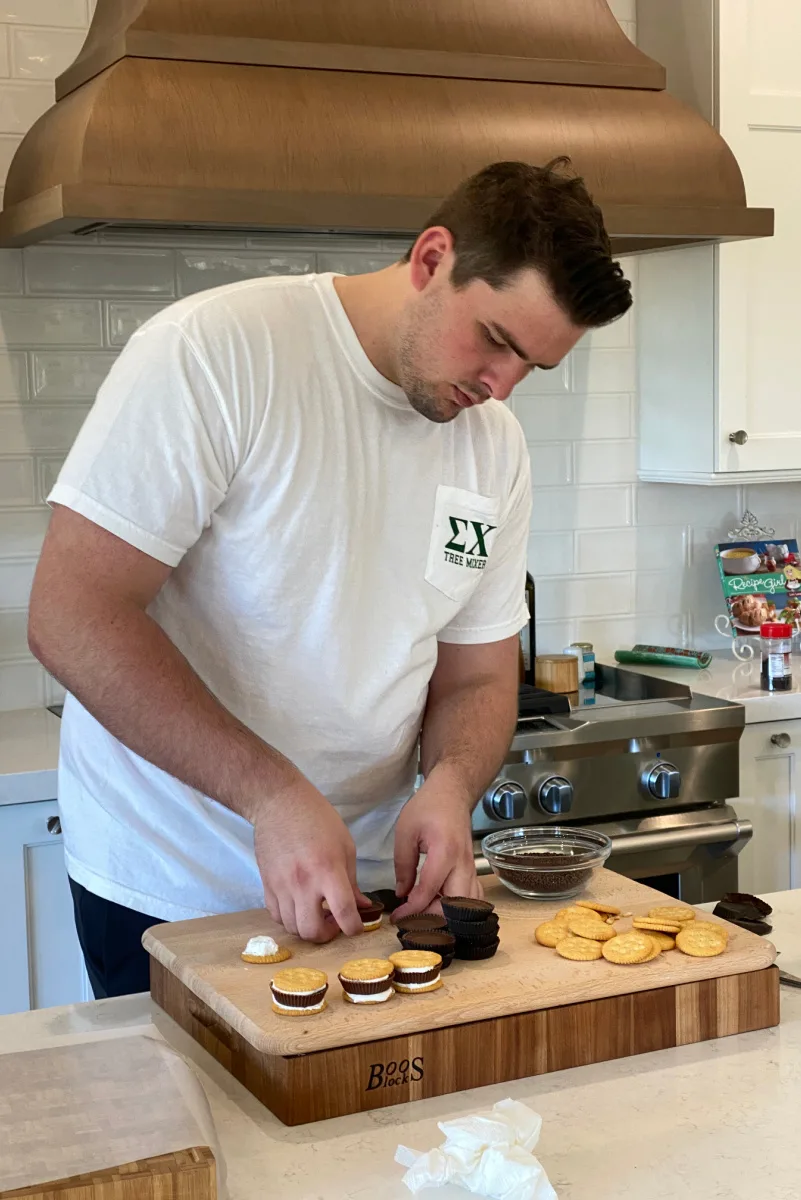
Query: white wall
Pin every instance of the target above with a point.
(614, 562)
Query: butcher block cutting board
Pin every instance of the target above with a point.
(121, 1119)
(523, 1012)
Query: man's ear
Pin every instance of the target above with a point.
(432, 252)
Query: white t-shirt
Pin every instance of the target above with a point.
(323, 536)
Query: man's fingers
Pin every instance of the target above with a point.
(407, 856)
(427, 887)
(271, 902)
(286, 906)
(341, 897)
(463, 881)
(312, 923)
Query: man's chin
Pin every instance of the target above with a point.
(434, 409)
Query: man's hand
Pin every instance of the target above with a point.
(435, 822)
(306, 855)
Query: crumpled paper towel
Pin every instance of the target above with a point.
(489, 1154)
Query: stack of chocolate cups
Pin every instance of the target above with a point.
(427, 932)
(474, 925)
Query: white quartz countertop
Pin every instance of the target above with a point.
(715, 1119)
(28, 755)
(729, 679)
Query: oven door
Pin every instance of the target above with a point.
(691, 855)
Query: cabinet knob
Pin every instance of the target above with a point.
(53, 826)
(739, 437)
(782, 740)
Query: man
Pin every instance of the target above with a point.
(287, 548)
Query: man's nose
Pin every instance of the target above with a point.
(501, 378)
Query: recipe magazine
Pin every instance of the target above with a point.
(761, 582)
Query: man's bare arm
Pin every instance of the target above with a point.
(469, 722)
(89, 626)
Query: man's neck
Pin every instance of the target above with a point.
(372, 304)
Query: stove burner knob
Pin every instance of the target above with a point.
(556, 795)
(506, 802)
(663, 781)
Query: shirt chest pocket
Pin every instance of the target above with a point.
(462, 537)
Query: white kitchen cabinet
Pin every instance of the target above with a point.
(769, 762)
(720, 354)
(40, 958)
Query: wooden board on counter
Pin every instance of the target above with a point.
(524, 1012)
(522, 977)
(116, 1119)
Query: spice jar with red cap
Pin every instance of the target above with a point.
(777, 645)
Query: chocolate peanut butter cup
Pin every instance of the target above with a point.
(436, 940)
(475, 930)
(422, 922)
(473, 952)
(367, 980)
(465, 908)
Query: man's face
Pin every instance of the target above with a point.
(460, 347)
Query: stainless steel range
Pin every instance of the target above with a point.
(644, 761)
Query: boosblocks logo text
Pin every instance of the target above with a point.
(466, 533)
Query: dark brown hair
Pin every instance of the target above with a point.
(512, 215)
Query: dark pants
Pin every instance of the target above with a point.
(111, 939)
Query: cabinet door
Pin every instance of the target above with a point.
(759, 304)
(771, 862)
(41, 959)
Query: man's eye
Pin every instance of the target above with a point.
(489, 338)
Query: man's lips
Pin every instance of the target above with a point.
(462, 398)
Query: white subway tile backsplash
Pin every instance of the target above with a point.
(28, 322)
(124, 319)
(624, 10)
(611, 633)
(562, 418)
(546, 383)
(10, 271)
(58, 375)
(606, 462)
(686, 504)
(659, 591)
(617, 336)
(580, 508)
(43, 53)
(54, 692)
(198, 270)
(604, 370)
(22, 533)
(16, 577)
(23, 103)
(353, 262)
(551, 464)
(550, 554)
(13, 377)
(8, 148)
(47, 471)
(17, 482)
(780, 499)
(62, 270)
(34, 428)
(45, 12)
(635, 549)
(22, 685)
(13, 635)
(584, 596)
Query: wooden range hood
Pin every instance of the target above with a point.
(359, 115)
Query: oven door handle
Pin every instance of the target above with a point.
(733, 834)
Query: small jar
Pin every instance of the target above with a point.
(587, 657)
(776, 640)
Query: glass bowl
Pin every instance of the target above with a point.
(550, 862)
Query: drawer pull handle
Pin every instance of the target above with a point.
(782, 740)
(53, 826)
